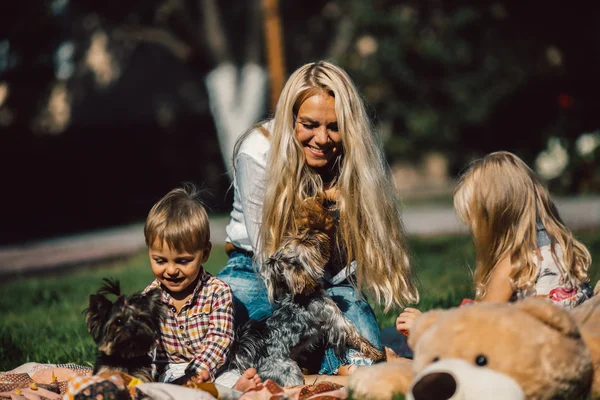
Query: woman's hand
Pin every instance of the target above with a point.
(405, 320)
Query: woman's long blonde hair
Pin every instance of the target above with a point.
(501, 199)
(370, 228)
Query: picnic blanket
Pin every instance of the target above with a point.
(76, 382)
(320, 391)
(39, 381)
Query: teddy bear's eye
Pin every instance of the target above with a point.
(436, 359)
(481, 360)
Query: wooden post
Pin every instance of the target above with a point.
(274, 45)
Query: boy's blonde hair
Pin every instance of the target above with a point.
(179, 220)
(370, 230)
(501, 199)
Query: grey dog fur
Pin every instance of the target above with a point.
(303, 316)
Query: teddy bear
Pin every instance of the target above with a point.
(531, 349)
(587, 317)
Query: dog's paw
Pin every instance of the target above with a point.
(372, 352)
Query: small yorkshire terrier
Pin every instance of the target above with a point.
(125, 331)
(303, 315)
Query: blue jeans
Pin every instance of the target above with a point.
(249, 290)
(252, 302)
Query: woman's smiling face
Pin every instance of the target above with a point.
(317, 130)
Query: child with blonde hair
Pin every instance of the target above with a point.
(523, 248)
(197, 333)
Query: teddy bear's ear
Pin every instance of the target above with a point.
(421, 324)
(552, 315)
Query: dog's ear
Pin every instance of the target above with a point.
(110, 286)
(97, 314)
(273, 263)
(271, 272)
(155, 304)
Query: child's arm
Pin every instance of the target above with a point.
(406, 319)
(499, 288)
(219, 337)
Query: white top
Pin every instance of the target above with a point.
(552, 281)
(248, 190)
(249, 185)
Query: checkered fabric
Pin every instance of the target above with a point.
(201, 332)
(11, 380)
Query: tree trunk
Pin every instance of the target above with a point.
(275, 57)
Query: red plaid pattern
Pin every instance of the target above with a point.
(201, 332)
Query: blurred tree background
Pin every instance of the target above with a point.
(106, 106)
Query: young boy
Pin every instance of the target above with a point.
(198, 330)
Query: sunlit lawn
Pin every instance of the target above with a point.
(41, 318)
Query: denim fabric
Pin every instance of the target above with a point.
(252, 302)
(360, 313)
(249, 291)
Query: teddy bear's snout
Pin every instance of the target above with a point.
(457, 379)
(435, 386)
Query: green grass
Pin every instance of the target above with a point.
(41, 317)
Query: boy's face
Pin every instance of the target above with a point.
(174, 270)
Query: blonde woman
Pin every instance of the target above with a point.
(319, 144)
(522, 246)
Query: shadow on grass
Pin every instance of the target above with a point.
(10, 352)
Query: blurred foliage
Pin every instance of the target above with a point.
(461, 77)
(104, 99)
(580, 171)
(467, 78)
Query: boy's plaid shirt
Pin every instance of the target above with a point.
(202, 332)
